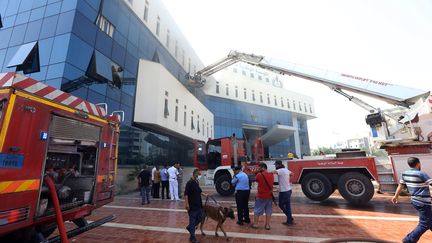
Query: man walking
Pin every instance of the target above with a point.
(152, 180)
(284, 191)
(156, 182)
(173, 184)
(264, 196)
(164, 181)
(241, 183)
(193, 203)
(144, 178)
(418, 186)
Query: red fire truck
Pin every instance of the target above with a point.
(407, 133)
(58, 157)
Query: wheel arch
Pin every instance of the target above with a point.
(222, 170)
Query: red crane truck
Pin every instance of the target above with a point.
(58, 160)
(407, 134)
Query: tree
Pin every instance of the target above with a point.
(325, 150)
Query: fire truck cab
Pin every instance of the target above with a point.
(58, 157)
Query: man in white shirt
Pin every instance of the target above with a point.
(285, 191)
(173, 184)
(152, 179)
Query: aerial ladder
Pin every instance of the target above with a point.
(405, 133)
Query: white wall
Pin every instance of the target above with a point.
(152, 84)
(157, 9)
(255, 85)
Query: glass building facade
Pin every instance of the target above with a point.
(230, 116)
(91, 49)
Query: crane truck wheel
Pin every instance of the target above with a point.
(316, 186)
(356, 188)
(224, 186)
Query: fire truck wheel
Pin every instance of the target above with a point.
(316, 186)
(223, 185)
(356, 188)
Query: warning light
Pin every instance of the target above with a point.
(43, 135)
(104, 145)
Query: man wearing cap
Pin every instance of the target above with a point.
(241, 183)
(284, 191)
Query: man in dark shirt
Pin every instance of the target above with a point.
(193, 203)
(144, 178)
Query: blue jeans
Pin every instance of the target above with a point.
(285, 205)
(145, 194)
(425, 223)
(195, 217)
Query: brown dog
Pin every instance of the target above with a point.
(217, 213)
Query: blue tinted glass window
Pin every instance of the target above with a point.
(52, 9)
(95, 97)
(9, 21)
(128, 113)
(9, 54)
(39, 3)
(60, 48)
(25, 6)
(110, 11)
(112, 104)
(133, 32)
(49, 27)
(100, 88)
(56, 82)
(3, 9)
(123, 23)
(45, 47)
(126, 99)
(95, 3)
(114, 93)
(53, 1)
(118, 54)
(87, 10)
(65, 23)
(18, 33)
(84, 29)
(68, 5)
(22, 18)
(81, 93)
(121, 40)
(5, 37)
(41, 75)
(131, 64)
(12, 7)
(82, 53)
(21, 54)
(72, 73)
(55, 71)
(103, 43)
(37, 13)
(2, 57)
(33, 31)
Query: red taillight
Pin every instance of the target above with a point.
(13, 216)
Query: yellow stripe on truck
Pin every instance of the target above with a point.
(19, 186)
(6, 120)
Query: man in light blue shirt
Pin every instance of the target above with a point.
(241, 183)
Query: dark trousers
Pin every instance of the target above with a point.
(156, 188)
(145, 194)
(425, 223)
(285, 205)
(242, 201)
(195, 217)
(165, 187)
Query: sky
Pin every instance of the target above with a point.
(384, 40)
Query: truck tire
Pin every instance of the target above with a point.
(316, 186)
(356, 188)
(224, 186)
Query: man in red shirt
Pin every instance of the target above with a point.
(263, 202)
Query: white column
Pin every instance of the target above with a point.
(296, 136)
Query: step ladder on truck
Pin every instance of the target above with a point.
(58, 160)
(408, 133)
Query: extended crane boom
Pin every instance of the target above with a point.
(396, 128)
(391, 93)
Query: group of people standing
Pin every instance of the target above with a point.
(150, 182)
(264, 196)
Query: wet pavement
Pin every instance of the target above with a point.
(165, 221)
